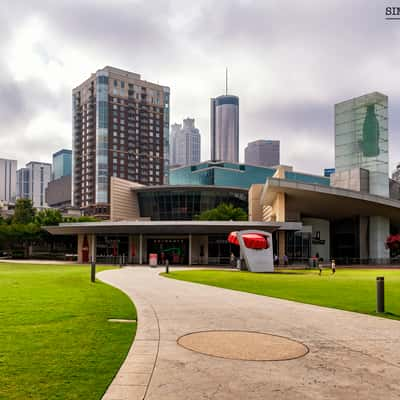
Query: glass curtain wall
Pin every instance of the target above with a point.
(361, 138)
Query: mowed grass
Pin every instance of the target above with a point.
(55, 340)
(348, 289)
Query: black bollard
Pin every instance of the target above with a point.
(93, 271)
(380, 294)
(167, 266)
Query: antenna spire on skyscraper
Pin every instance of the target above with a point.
(226, 81)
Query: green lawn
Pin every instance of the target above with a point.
(55, 340)
(353, 290)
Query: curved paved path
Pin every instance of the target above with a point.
(352, 356)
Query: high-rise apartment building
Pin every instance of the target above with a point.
(32, 182)
(120, 128)
(185, 144)
(225, 128)
(8, 169)
(62, 163)
(265, 153)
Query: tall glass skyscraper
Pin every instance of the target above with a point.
(361, 139)
(62, 163)
(225, 128)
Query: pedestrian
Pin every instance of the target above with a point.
(233, 260)
(320, 267)
(276, 260)
(333, 266)
(285, 260)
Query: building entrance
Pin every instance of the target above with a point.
(110, 247)
(176, 251)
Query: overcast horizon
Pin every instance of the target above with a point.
(288, 65)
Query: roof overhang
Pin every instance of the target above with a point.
(172, 188)
(168, 227)
(329, 202)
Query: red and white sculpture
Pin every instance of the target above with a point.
(256, 248)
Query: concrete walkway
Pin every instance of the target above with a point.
(352, 356)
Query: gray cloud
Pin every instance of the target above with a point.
(289, 63)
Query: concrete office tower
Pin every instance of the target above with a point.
(121, 129)
(62, 163)
(225, 128)
(8, 169)
(396, 173)
(265, 153)
(32, 182)
(175, 130)
(185, 143)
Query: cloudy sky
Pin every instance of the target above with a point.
(289, 62)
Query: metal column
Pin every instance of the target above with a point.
(93, 247)
(141, 249)
(190, 249)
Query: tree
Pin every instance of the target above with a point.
(82, 218)
(24, 212)
(48, 216)
(224, 212)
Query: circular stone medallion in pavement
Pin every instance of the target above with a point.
(243, 345)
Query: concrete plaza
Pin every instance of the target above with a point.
(351, 356)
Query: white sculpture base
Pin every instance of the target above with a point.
(257, 260)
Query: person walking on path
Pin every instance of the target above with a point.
(333, 266)
(320, 266)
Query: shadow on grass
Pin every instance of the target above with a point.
(389, 314)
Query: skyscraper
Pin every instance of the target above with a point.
(175, 130)
(58, 192)
(185, 143)
(32, 182)
(362, 158)
(8, 170)
(361, 139)
(265, 153)
(225, 128)
(62, 163)
(120, 128)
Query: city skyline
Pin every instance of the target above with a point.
(38, 74)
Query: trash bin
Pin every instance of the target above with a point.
(153, 259)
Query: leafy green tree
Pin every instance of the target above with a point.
(224, 212)
(82, 218)
(48, 216)
(24, 212)
(19, 236)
